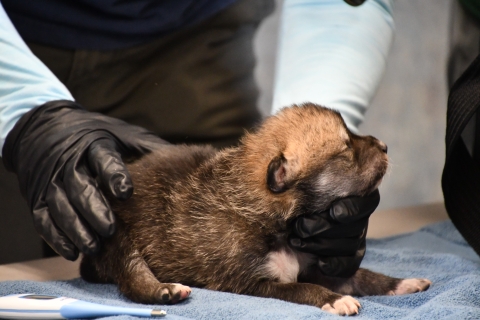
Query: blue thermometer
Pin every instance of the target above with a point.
(35, 306)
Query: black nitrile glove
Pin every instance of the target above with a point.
(60, 152)
(355, 3)
(336, 236)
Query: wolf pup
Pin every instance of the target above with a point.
(220, 219)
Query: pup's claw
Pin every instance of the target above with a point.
(174, 292)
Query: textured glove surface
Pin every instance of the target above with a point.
(61, 153)
(337, 236)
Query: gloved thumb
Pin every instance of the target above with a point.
(106, 163)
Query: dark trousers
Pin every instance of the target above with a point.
(464, 48)
(193, 86)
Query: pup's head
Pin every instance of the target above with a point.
(305, 158)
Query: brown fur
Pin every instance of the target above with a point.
(220, 219)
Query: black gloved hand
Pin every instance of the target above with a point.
(59, 151)
(336, 236)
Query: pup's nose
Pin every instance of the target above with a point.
(383, 147)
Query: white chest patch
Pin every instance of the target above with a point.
(283, 265)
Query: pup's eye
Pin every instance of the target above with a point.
(349, 144)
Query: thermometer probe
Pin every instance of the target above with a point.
(35, 306)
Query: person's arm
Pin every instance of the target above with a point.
(60, 152)
(25, 81)
(332, 54)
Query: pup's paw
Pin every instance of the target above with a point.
(407, 286)
(346, 305)
(174, 292)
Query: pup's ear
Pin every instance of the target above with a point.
(277, 174)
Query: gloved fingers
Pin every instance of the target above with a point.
(311, 225)
(354, 208)
(342, 212)
(55, 238)
(68, 220)
(342, 266)
(318, 224)
(346, 230)
(326, 247)
(88, 200)
(106, 162)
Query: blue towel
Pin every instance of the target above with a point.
(437, 252)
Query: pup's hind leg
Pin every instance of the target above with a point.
(90, 272)
(137, 282)
(132, 275)
(310, 294)
(366, 283)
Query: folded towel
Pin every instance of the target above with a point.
(437, 252)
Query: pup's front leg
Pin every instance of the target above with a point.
(133, 276)
(366, 283)
(139, 284)
(310, 294)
